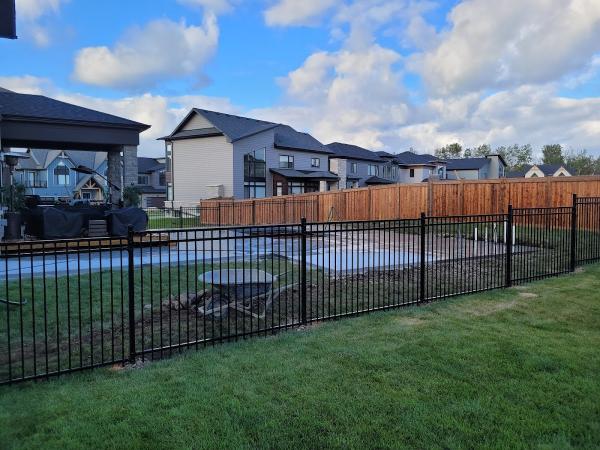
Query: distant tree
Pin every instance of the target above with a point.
(552, 154)
(516, 156)
(450, 151)
(582, 163)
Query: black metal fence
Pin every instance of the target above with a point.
(77, 304)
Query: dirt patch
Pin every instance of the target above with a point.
(528, 295)
(410, 321)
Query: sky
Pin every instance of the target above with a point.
(383, 74)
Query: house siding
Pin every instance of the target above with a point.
(195, 122)
(198, 164)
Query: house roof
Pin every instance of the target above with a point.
(235, 127)
(40, 159)
(547, 169)
(198, 132)
(411, 158)
(377, 180)
(306, 174)
(466, 163)
(288, 138)
(27, 106)
(148, 165)
(341, 150)
(146, 189)
(239, 127)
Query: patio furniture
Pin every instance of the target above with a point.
(239, 289)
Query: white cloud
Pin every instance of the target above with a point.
(161, 112)
(503, 44)
(29, 15)
(298, 12)
(160, 50)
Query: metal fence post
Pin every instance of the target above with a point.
(303, 270)
(219, 214)
(181, 217)
(509, 246)
(423, 257)
(131, 286)
(574, 233)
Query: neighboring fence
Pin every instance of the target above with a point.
(246, 212)
(406, 201)
(71, 305)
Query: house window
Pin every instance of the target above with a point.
(315, 162)
(440, 173)
(279, 188)
(412, 173)
(143, 179)
(373, 170)
(353, 167)
(255, 189)
(296, 188)
(255, 173)
(286, 162)
(61, 175)
(501, 171)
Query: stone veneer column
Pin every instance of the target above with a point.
(130, 166)
(114, 174)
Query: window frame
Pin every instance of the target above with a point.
(286, 161)
(318, 162)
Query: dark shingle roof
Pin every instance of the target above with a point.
(549, 169)
(147, 165)
(17, 105)
(287, 137)
(306, 174)
(353, 151)
(466, 163)
(198, 132)
(235, 127)
(411, 158)
(377, 180)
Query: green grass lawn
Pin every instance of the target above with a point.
(517, 368)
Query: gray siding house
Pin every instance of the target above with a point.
(151, 182)
(358, 167)
(484, 168)
(217, 155)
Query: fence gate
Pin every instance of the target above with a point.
(588, 229)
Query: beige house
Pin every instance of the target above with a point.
(547, 170)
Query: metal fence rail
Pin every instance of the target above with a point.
(70, 305)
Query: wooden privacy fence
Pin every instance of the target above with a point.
(403, 201)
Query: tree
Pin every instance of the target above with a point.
(131, 196)
(516, 156)
(450, 151)
(552, 154)
(582, 163)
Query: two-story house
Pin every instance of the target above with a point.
(216, 155)
(50, 175)
(542, 170)
(484, 168)
(357, 166)
(152, 182)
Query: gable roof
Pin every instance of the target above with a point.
(341, 150)
(548, 169)
(288, 138)
(238, 127)
(412, 158)
(148, 165)
(27, 106)
(466, 163)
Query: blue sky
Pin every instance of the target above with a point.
(384, 74)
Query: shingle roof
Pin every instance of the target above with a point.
(411, 158)
(377, 180)
(287, 137)
(548, 169)
(307, 174)
(353, 152)
(147, 165)
(198, 132)
(235, 127)
(40, 159)
(15, 105)
(466, 163)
